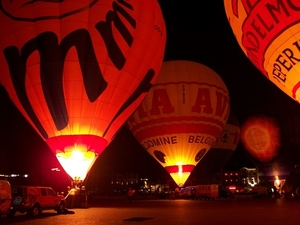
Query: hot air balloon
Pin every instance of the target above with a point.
(260, 135)
(208, 169)
(182, 116)
(271, 137)
(267, 32)
(78, 69)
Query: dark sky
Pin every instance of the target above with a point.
(196, 31)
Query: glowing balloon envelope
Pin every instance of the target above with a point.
(181, 116)
(260, 135)
(267, 32)
(276, 135)
(78, 69)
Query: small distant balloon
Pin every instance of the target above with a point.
(276, 134)
(260, 135)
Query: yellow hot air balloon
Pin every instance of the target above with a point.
(268, 33)
(78, 69)
(182, 116)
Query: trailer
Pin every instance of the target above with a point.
(206, 191)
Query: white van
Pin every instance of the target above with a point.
(5, 197)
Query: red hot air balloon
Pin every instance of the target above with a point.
(260, 135)
(78, 69)
(278, 127)
(182, 116)
(267, 32)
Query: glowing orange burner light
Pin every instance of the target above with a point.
(180, 173)
(77, 153)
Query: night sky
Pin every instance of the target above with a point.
(196, 31)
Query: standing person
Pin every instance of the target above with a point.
(130, 194)
(172, 195)
(177, 192)
(288, 191)
(70, 198)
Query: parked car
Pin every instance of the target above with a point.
(260, 191)
(34, 199)
(5, 197)
(225, 193)
(207, 191)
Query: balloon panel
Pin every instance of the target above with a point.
(267, 32)
(79, 68)
(220, 152)
(182, 115)
(230, 135)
